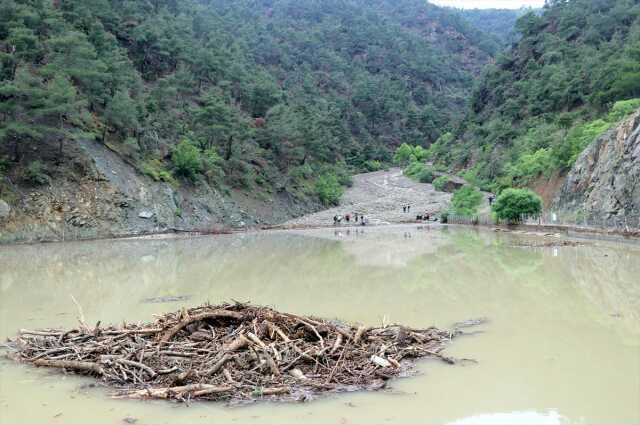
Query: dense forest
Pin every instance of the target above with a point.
(573, 74)
(249, 94)
(496, 23)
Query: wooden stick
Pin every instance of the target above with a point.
(361, 330)
(277, 330)
(152, 373)
(336, 345)
(216, 367)
(197, 389)
(254, 338)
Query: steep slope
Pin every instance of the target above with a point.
(571, 76)
(258, 100)
(604, 183)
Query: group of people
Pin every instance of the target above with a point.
(420, 217)
(357, 218)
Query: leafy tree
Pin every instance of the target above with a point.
(513, 204)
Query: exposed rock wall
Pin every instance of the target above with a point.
(96, 194)
(604, 183)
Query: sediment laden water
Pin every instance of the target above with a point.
(562, 344)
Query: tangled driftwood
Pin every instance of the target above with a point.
(235, 352)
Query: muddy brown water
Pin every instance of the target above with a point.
(562, 345)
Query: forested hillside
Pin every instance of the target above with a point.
(574, 73)
(498, 23)
(256, 95)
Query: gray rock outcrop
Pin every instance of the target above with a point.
(604, 183)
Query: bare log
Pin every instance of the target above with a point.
(196, 389)
(70, 364)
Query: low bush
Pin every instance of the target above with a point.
(157, 171)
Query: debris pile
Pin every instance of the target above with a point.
(233, 352)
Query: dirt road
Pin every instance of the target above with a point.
(380, 196)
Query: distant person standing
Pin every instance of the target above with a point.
(404, 208)
(347, 218)
(491, 199)
(408, 208)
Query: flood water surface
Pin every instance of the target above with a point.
(562, 345)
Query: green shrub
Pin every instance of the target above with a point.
(187, 160)
(426, 175)
(301, 172)
(622, 109)
(578, 138)
(512, 204)
(212, 165)
(466, 200)
(420, 172)
(440, 183)
(414, 169)
(35, 173)
(344, 178)
(530, 166)
(329, 189)
(406, 154)
(420, 153)
(403, 154)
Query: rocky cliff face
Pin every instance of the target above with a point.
(604, 183)
(95, 194)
